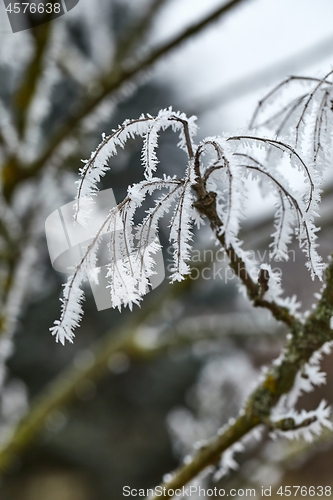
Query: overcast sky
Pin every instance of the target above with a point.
(258, 35)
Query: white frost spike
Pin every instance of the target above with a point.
(228, 462)
(320, 417)
(275, 291)
(305, 380)
(284, 230)
(181, 233)
(73, 296)
(71, 309)
(148, 157)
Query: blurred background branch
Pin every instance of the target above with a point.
(97, 412)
